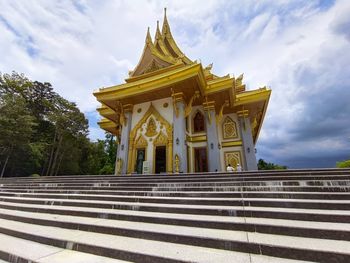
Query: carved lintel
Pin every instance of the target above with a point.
(188, 108)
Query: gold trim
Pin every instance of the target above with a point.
(252, 96)
(220, 116)
(151, 84)
(188, 108)
(243, 113)
(169, 130)
(231, 144)
(201, 138)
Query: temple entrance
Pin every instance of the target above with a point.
(200, 159)
(140, 157)
(160, 161)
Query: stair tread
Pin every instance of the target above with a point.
(150, 247)
(43, 253)
(65, 195)
(137, 205)
(44, 191)
(335, 246)
(255, 217)
(144, 226)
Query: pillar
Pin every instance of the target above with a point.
(212, 137)
(247, 141)
(179, 132)
(124, 140)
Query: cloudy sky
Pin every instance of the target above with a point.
(300, 49)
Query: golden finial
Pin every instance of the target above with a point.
(165, 27)
(148, 37)
(158, 34)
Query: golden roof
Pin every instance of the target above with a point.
(160, 53)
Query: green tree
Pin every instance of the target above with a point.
(16, 127)
(343, 164)
(42, 133)
(69, 124)
(262, 165)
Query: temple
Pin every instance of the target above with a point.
(173, 115)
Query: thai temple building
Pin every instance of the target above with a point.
(173, 115)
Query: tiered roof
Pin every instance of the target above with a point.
(160, 53)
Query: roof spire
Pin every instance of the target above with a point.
(165, 28)
(148, 37)
(158, 34)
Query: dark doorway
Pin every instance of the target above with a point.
(200, 159)
(160, 159)
(140, 157)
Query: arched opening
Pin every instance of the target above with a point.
(198, 122)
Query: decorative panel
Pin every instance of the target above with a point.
(229, 129)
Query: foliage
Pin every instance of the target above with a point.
(343, 164)
(43, 133)
(262, 165)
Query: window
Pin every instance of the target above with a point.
(198, 122)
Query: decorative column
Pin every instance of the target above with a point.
(122, 157)
(212, 137)
(247, 140)
(179, 133)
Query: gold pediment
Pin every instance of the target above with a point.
(161, 139)
(141, 141)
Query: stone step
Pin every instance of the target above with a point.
(18, 250)
(335, 231)
(188, 194)
(143, 215)
(121, 247)
(171, 179)
(200, 189)
(244, 176)
(271, 183)
(203, 197)
(269, 216)
(197, 205)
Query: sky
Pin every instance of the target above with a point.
(300, 49)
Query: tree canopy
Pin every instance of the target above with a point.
(44, 134)
(262, 165)
(343, 164)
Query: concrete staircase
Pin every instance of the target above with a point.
(281, 216)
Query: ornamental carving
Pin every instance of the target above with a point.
(161, 139)
(151, 129)
(229, 129)
(141, 142)
(153, 66)
(233, 158)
